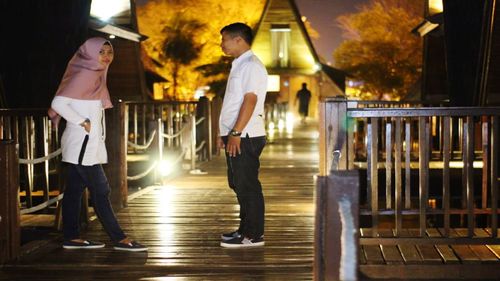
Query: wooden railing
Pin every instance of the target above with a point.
(38, 152)
(149, 129)
(399, 148)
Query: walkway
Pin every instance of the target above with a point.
(181, 223)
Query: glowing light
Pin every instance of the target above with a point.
(290, 119)
(435, 6)
(165, 168)
(271, 126)
(112, 36)
(281, 125)
(273, 83)
(316, 67)
(105, 9)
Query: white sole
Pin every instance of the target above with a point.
(130, 250)
(83, 247)
(226, 245)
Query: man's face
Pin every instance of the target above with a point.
(230, 44)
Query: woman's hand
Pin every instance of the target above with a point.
(86, 125)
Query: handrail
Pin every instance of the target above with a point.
(422, 111)
(171, 136)
(41, 159)
(146, 146)
(159, 102)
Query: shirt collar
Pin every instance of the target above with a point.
(242, 57)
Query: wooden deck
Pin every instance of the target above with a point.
(181, 222)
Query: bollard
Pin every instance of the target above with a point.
(10, 229)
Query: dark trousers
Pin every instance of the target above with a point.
(243, 178)
(79, 177)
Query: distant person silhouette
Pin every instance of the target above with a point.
(303, 96)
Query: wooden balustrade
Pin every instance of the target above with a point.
(421, 163)
(28, 134)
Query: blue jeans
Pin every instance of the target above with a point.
(243, 178)
(77, 178)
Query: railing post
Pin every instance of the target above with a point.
(203, 110)
(159, 147)
(336, 226)
(215, 112)
(10, 229)
(116, 144)
(332, 134)
(193, 141)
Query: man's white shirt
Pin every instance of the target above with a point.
(248, 75)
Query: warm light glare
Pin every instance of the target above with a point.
(271, 126)
(281, 125)
(165, 168)
(435, 6)
(273, 83)
(316, 67)
(105, 9)
(290, 119)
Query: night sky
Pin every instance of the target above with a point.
(322, 15)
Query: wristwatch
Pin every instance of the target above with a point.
(234, 133)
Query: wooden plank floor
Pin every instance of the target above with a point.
(181, 222)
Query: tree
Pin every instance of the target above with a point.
(179, 48)
(154, 15)
(380, 49)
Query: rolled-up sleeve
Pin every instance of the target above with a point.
(62, 106)
(254, 79)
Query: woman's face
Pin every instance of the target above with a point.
(106, 55)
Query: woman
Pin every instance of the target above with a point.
(81, 99)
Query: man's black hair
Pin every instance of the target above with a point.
(239, 29)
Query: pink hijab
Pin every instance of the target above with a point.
(85, 77)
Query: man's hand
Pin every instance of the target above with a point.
(220, 145)
(233, 146)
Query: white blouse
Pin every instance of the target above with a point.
(75, 112)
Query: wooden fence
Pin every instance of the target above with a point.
(399, 148)
(33, 174)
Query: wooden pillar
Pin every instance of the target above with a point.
(216, 108)
(336, 226)
(204, 130)
(10, 229)
(116, 145)
(332, 135)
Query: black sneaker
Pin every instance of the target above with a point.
(230, 235)
(242, 242)
(131, 247)
(86, 244)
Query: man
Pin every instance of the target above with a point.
(303, 96)
(242, 134)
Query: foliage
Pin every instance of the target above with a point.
(380, 49)
(156, 16)
(180, 48)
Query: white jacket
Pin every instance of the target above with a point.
(75, 112)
